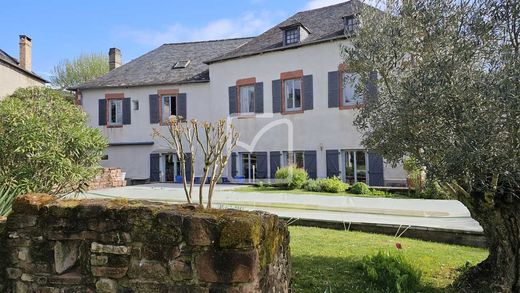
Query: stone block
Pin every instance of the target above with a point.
(109, 272)
(98, 260)
(106, 286)
(72, 278)
(65, 255)
(13, 273)
(227, 266)
(200, 231)
(113, 249)
(147, 270)
(180, 270)
(19, 221)
(241, 233)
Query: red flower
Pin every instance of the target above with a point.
(398, 245)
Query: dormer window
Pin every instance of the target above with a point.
(351, 24)
(294, 33)
(292, 36)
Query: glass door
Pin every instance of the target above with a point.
(355, 166)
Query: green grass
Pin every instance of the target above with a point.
(323, 258)
(271, 189)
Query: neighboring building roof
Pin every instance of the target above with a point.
(156, 66)
(13, 63)
(323, 24)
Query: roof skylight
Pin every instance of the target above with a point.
(181, 64)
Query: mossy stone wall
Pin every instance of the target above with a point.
(137, 246)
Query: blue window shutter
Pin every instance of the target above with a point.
(274, 160)
(182, 105)
(232, 99)
(102, 111)
(332, 159)
(127, 111)
(154, 109)
(333, 89)
(310, 163)
(375, 170)
(371, 87)
(233, 165)
(259, 97)
(187, 164)
(308, 93)
(277, 96)
(261, 165)
(154, 168)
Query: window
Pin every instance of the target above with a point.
(294, 158)
(292, 94)
(247, 99)
(349, 96)
(355, 166)
(181, 64)
(351, 24)
(115, 112)
(247, 166)
(292, 36)
(168, 108)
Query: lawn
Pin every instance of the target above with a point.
(270, 189)
(323, 258)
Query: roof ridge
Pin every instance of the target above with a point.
(210, 41)
(10, 57)
(324, 7)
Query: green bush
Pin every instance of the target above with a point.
(333, 185)
(292, 177)
(391, 273)
(313, 185)
(360, 188)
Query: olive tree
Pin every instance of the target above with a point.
(46, 143)
(448, 95)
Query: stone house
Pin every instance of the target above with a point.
(287, 91)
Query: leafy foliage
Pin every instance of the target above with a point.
(313, 185)
(392, 273)
(69, 73)
(360, 188)
(332, 185)
(292, 177)
(46, 144)
(7, 197)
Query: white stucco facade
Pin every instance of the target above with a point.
(11, 79)
(319, 129)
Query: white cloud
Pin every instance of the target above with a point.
(248, 24)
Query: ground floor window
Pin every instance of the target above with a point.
(247, 167)
(296, 158)
(355, 165)
(170, 168)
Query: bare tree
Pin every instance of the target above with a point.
(180, 131)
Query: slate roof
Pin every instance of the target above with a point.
(13, 63)
(155, 67)
(323, 24)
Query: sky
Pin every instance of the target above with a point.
(66, 29)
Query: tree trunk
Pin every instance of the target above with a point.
(500, 219)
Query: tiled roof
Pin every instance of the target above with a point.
(323, 24)
(156, 66)
(13, 62)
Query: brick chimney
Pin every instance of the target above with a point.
(25, 52)
(114, 58)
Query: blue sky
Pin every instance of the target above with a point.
(65, 29)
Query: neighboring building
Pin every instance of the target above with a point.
(285, 86)
(16, 74)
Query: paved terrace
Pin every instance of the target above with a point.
(449, 215)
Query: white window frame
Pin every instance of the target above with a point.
(349, 82)
(118, 121)
(165, 118)
(289, 158)
(290, 89)
(344, 164)
(292, 36)
(246, 95)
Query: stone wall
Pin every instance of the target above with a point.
(109, 178)
(136, 246)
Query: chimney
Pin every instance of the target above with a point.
(114, 58)
(25, 52)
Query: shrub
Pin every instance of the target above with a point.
(333, 185)
(391, 273)
(313, 185)
(292, 176)
(46, 144)
(360, 188)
